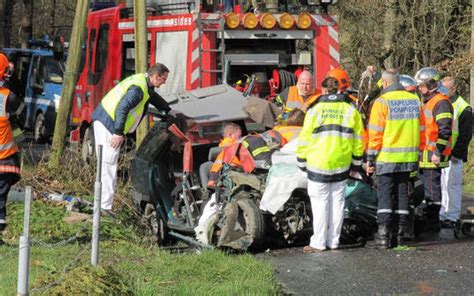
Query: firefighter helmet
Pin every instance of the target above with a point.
(428, 76)
(408, 83)
(341, 76)
(4, 65)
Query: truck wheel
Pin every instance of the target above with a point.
(87, 147)
(40, 129)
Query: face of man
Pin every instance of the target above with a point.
(305, 85)
(449, 85)
(157, 80)
(423, 89)
(236, 135)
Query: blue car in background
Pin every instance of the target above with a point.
(37, 78)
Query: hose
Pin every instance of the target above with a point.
(287, 79)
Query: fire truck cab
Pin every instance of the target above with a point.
(202, 49)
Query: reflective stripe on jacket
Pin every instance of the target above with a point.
(438, 113)
(331, 139)
(112, 100)
(8, 146)
(458, 108)
(394, 131)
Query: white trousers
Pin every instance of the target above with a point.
(327, 205)
(109, 164)
(451, 190)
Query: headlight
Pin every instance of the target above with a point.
(267, 21)
(304, 20)
(57, 99)
(286, 21)
(232, 20)
(250, 20)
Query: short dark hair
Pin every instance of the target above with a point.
(331, 84)
(157, 68)
(295, 117)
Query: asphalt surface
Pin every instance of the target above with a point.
(432, 266)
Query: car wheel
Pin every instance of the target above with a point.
(157, 226)
(40, 129)
(87, 147)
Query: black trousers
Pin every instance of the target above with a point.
(392, 195)
(6, 182)
(432, 188)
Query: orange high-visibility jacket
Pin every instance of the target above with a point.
(294, 100)
(438, 113)
(8, 146)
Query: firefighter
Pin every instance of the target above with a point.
(119, 113)
(330, 146)
(300, 96)
(408, 83)
(11, 112)
(451, 176)
(260, 146)
(436, 149)
(393, 145)
(231, 134)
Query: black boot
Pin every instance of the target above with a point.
(403, 235)
(381, 238)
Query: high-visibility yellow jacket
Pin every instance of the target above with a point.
(331, 139)
(394, 131)
(459, 105)
(113, 98)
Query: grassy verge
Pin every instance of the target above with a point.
(129, 263)
(468, 177)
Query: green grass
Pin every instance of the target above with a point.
(129, 263)
(468, 177)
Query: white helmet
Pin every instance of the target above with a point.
(408, 83)
(428, 76)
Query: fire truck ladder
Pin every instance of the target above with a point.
(216, 24)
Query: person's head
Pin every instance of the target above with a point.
(427, 79)
(450, 84)
(157, 74)
(305, 83)
(408, 83)
(4, 66)
(295, 117)
(342, 78)
(232, 131)
(330, 85)
(390, 77)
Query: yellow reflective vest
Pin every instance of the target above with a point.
(458, 108)
(331, 139)
(394, 131)
(112, 99)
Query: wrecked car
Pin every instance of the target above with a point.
(172, 201)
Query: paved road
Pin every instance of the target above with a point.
(445, 266)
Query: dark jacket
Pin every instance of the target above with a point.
(129, 101)
(460, 149)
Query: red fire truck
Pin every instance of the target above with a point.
(202, 47)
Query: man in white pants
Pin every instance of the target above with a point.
(451, 177)
(330, 145)
(119, 113)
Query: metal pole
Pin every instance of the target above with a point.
(24, 248)
(97, 201)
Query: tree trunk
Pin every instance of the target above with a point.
(472, 55)
(26, 23)
(3, 23)
(388, 33)
(139, 11)
(72, 66)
